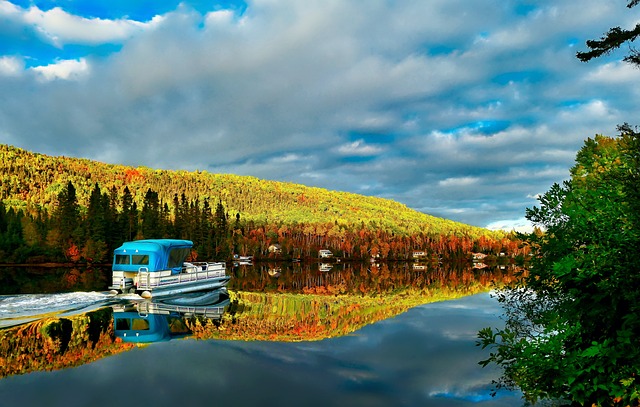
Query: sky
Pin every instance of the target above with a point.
(466, 110)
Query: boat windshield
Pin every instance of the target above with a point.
(177, 257)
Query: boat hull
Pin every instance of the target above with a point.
(185, 287)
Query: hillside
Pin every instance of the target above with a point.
(30, 180)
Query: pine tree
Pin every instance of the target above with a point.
(150, 215)
(67, 217)
(97, 213)
(127, 221)
(612, 40)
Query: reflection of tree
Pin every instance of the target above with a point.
(324, 310)
(27, 280)
(302, 303)
(58, 343)
(362, 278)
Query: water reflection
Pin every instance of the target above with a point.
(424, 357)
(318, 306)
(361, 278)
(155, 321)
(59, 279)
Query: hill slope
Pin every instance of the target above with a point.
(30, 180)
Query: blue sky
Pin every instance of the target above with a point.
(463, 110)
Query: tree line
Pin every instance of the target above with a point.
(32, 181)
(74, 233)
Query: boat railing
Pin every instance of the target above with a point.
(205, 311)
(203, 271)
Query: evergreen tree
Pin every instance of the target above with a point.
(221, 231)
(67, 217)
(179, 226)
(167, 226)
(3, 218)
(97, 216)
(11, 236)
(127, 221)
(612, 40)
(151, 215)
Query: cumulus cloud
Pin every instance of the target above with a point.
(359, 148)
(69, 69)
(11, 66)
(60, 27)
(414, 101)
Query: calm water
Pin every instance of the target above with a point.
(423, 357)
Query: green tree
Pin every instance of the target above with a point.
(151, 215)
(66, 217)
(572, 323)
(221, 231)
(97, 215)
(612, 40)
(128, 219)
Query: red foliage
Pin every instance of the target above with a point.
(73, 253)
(131, 175)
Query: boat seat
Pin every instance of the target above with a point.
(190, 268)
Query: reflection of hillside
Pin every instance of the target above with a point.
(361, 278)
(296, 305)
(303, 317)
(58, 343)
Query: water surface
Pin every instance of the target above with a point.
(425, 356)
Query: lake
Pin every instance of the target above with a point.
(356, 355)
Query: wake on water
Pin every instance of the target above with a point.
(21, 308)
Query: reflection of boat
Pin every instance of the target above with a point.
(274, 272)
(157, 267)
(242, 260)
(325, 266)
(155, 321)
(196, 298)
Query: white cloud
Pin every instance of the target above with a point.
(358, 148)
(61, 28)
(614, 73)
(11, 66)
(521, 225)
(291, 90)
(459, 182)
(68, 69)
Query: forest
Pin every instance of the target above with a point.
(61, 209)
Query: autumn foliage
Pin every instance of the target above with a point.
(60, 208)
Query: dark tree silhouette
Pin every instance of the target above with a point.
(612, 40)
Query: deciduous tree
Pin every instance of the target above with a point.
(573, 322)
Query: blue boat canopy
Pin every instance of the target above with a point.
(152, 254)
(132, 327)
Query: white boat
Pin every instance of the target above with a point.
(157, 268)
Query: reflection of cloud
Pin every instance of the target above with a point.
(405, 360)
(459, 394)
